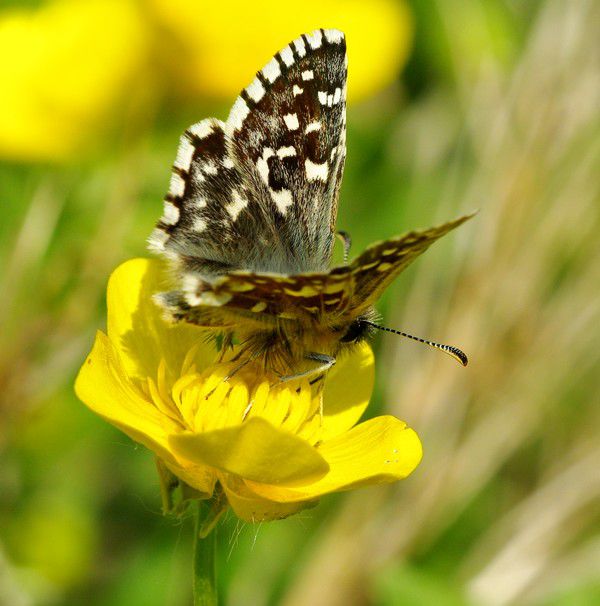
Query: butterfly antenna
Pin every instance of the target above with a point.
(452, 351)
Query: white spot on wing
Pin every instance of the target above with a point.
(291, 121)
(286, 152)
(287, 56)
(329, 100)
(283, 199)
(177, 185)
(238, 114)
(237, 206)
(313, 126)
(334, 36)
(297, 90)
(271, 70)
(192, 299)
(262, 166)
(209, 168)
(199, 202)
(300, 46)
(190, 283)
(315, 39)
(316, 171)
(308, 75)
(199, 225)
(228, 163)
(255, 90)
(337, 96)
(184, 154)
(214, 299)
(170, 213)
(322, 97)
(157, 240)
(202, 129)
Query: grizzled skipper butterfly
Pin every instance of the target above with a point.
(249, 220)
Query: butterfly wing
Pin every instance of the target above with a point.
(259, 192)
(298, 296)
(332, 297)
(380, 263)
(288, 138)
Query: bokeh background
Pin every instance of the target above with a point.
(489, 104)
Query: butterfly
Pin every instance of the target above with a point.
(249, 220)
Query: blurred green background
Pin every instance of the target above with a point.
(454, 105)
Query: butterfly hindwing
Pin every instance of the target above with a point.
(307, 295)
(344, 292)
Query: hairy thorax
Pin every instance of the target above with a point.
(291, 345)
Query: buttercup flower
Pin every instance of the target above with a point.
(273, 447)
(64, 67)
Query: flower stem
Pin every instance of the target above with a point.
(205, 569)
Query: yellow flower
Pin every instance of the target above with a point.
(63, 68)
(274, 448)
(222, 44)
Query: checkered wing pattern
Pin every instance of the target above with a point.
(300, 296)
(259, 192)
(380, 263)
(343, 292)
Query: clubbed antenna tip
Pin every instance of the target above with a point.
(452, 351)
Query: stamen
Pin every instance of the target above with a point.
(210, 415)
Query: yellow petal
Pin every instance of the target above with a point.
(255, 450)
(377, 451)
(104, 387)
(66, 76)
(347, 391)
(251, 508)
(137, 328)
(200, 477)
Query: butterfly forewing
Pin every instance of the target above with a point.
(259, 192)
(380, 263)
(202, 201)
(287, 136)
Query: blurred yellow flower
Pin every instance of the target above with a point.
(67, 65)
(222, 44)
(274, 448)
(63, 68)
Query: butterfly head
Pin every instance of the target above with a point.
(359, 329)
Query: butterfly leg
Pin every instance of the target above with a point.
(344, 236)
(325, 363)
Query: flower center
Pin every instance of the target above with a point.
(225, 395)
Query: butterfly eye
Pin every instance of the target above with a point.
(356, 331)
